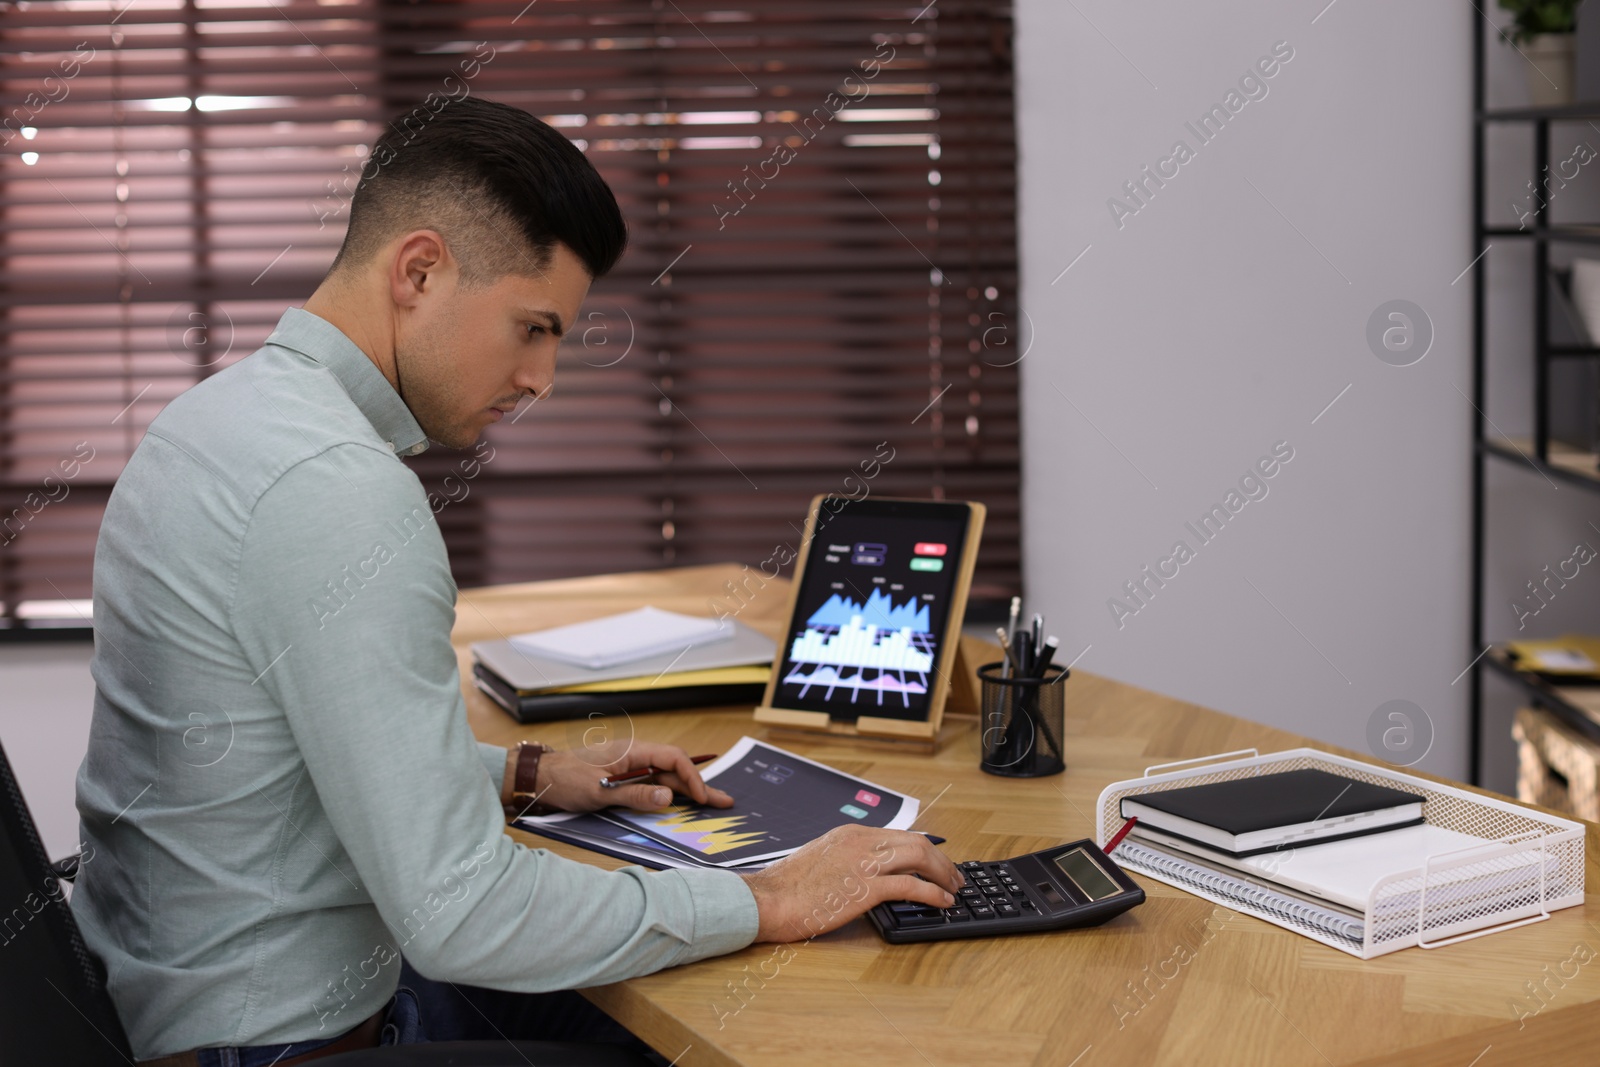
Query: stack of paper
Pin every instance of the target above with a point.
(616, 639)
(1568, 658)
(1310, 847)
(641, 660)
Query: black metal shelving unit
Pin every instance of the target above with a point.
(1563, 464)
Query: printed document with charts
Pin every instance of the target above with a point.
(780, 802)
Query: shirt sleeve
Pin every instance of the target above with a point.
(494, 761)
(344, 603)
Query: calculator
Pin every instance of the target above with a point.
(1058, 888)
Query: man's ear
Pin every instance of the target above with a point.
(419, 263)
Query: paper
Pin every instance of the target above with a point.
(781, 801)
(1562, 659)
(1341, 871)
(531, 672)
(615, 639)
(601, 835)
(755, 675)
(1570, 655)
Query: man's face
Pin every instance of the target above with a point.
(469, 354)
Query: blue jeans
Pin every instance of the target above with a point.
(424, 1010)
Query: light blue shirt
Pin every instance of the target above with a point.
(281, 794)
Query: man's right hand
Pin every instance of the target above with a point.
(840, 875)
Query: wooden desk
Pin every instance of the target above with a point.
(1243, 991)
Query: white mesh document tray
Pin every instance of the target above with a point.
(1528, 865)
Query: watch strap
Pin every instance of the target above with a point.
(519, 793)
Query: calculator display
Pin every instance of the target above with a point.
(1087, 875)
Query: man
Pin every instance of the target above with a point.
(281, 792)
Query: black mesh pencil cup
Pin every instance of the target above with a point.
(1022, 723)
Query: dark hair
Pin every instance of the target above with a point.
(491, 167)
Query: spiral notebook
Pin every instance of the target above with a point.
(1327, 887)
(1236, 888)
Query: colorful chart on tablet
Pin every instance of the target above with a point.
(872, 608)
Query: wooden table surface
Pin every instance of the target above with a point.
(1177, 980)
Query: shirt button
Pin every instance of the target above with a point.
(390, 444)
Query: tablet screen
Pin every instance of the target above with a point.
(873, 604)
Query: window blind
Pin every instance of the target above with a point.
(819, 294)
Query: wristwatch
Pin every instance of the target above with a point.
(519, 790)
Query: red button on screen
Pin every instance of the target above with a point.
(928, 548)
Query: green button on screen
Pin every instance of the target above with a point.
(927, 564)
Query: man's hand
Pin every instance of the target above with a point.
(843, 873)
(570, 780)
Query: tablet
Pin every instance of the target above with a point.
(878, 599)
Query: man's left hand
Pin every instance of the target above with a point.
(570, 779)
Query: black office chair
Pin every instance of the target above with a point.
(53, 1003)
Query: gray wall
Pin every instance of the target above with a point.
(1225, 316)
(46, 696)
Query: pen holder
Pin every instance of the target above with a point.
(1022, 723)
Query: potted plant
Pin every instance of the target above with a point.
(1542, 30)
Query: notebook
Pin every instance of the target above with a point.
(608, 642)
(1237, 889)
(1269, 812)
(1326, 888)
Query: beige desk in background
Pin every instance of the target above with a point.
(1249, 993)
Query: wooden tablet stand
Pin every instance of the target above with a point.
(959, 701)
(955, 688)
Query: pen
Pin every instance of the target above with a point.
(614, 780)
(1038, 634)
(1016, 616)
(1116, 839)
(1046, 654)
(1019, 653)
(1005, 648)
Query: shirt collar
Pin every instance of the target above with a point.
(321, 341)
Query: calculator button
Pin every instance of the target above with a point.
(1016, 891)
(1028, 904)
(972, 865)
(908, 907)
(970, 891)
(957, 915)
(994, 891)
(914, 922)
(1006, 911)
(982, 912)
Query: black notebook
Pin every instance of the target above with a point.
(1247, 816)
